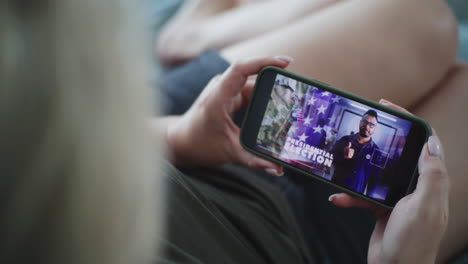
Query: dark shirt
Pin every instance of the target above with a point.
(358, 172)
(217, 216)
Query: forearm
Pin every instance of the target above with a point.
(177, 140)
(162, 128)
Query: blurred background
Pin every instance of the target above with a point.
(460, 7)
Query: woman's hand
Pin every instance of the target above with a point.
(206, 135)
(411, 233)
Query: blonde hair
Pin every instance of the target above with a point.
(78, 183)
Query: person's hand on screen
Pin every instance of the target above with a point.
(348, 151)
(206, 135)
(412, 231)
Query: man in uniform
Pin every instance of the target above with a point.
(282, 111)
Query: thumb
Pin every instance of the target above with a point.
(346, 200)
(258, 163)
(243, 99)
(254, 162)
(433, 182)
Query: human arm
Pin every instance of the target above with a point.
(206, 135)
(338, 149)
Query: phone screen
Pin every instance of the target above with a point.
(340, 140)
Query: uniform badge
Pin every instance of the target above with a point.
(297, 115)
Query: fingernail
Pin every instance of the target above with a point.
(331, 197)
(274, 172)
(285, 58)
(383, 101)
(434, 146)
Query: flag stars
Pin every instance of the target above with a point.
(335, 99)
(311, 101)
(303, 137)
(321, 109)
(317, 129)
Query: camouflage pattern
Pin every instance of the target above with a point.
(283, 110)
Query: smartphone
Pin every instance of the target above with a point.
(326, 133)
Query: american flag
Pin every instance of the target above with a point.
(298, 115)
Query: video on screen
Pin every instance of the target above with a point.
(333, 137)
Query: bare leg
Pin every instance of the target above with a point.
(445, 110)
(201, 25)
(379, 49)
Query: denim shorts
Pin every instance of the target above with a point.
(181, 85)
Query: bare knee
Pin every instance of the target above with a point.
(176, 44)
(421, 38)
(435, 38)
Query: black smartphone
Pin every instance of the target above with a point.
(358, 145)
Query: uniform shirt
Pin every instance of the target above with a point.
(279, 116)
